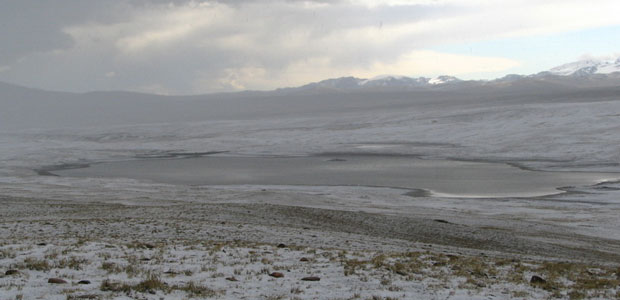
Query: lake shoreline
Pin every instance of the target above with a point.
(400, 172)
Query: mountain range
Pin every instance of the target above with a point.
(580, 73)
(584, 72)
(589, 80)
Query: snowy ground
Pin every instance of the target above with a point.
(244, 271)
(580, 226)
(182, 251)
(551, 136)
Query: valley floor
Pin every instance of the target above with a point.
(148, 240)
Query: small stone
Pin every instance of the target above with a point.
(304, 259)
(281, 246)
(141, 245)
(337, 159)
(11, 272)
(276, 275)
(537, 280)
(311, 278)
(231, 279)
(84, 282)
(56, 281)
(401, 273)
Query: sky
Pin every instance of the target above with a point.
(193, 47)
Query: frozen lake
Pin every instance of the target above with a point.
(438, 177)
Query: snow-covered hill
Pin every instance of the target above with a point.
(588, 71)
(582, 73)
(404, 81)
(443, 79)
(390, 80)
(587, 67)
(384, 81)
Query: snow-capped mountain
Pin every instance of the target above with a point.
(587, 67)
(389, 80)
(404, 81)
(443, 79)
(586, 72)
(384, 81)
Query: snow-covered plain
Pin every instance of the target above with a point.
(542, 128)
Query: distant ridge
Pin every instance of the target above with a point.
(24, 108)
(597, 72)
(582, 73)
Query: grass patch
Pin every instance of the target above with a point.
(195, 290)
(72, 263)
(37, 264)
(153, 283)
(111, 286)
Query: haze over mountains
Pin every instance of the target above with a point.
(23, 108)
(588, 70)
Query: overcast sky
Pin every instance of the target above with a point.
(188, 47)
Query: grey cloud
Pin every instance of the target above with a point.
(37, 29)
(30, 26)
(185, 46)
